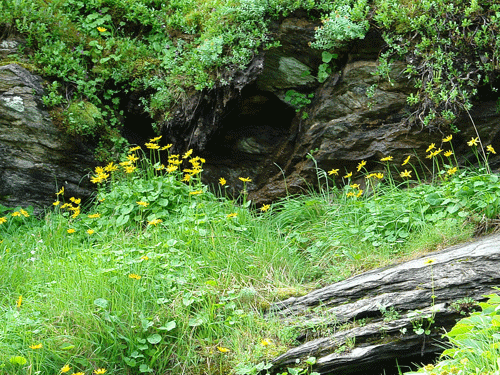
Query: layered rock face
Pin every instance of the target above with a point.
(260, 122)
(248, 128)
(36, 158)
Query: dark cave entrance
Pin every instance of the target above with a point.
(137, 125)
(251, 128)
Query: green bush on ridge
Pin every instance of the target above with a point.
(97, 50)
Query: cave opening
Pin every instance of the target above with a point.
(251, 128)
(137, 124)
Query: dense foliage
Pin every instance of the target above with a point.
(96, 51)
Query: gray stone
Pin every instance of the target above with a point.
(465, 270)
(36, 158)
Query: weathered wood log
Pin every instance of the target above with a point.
(356, 325)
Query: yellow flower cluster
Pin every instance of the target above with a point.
(100, 175)
(73, 206)
(19, 213)
(155, 222)
(378, 175)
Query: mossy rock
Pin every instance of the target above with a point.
(83, 118)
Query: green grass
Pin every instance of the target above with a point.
(159, 275)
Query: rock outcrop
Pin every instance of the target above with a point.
(36, 158)
(248, 128)
(363, 324)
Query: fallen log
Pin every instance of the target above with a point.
(359, 325)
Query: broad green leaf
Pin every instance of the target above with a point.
(101, 302)
(154, 339)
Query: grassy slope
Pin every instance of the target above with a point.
(161, 275)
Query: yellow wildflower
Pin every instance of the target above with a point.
(448, 138)
(135, 277)
(166, 147)
(265, 207)
(99, 170)
(192, 171)
(448, 153)
(78, 373)
(196, 192)
(186, 178)
(36, 346)
(75, 201)
(452, 171)
(387, 158)
(152, 146)
(132, 158)
(222, 181)
(360, 192)
(110, 167)
(172, 168)
(76, 212)
(491, 149)
(90, 231)
(473, 142)
(156, 139)
(160, 167)
(379, 175)
(143, 204)
(94, 216)
(432, 146)
(222, 349)
(350, 194)
(3, 220)
(245, 179)
(19, 301)
(406, 173)
(429, 261)
(234, 214)
(434, 153)
(130, 169)
(429, 367)
(265, 342)
(56, 203)
(97, 179)
(348, 175)
(406, 161)
(187, 154)
(65, 368)
(144, 257)
(16, 213)
(361, 164)
(355, 186)
(155, 222)
(71, 230)
(60, 192)
(24, 213)
(101, 29)
(134, 148)
(334, 172)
